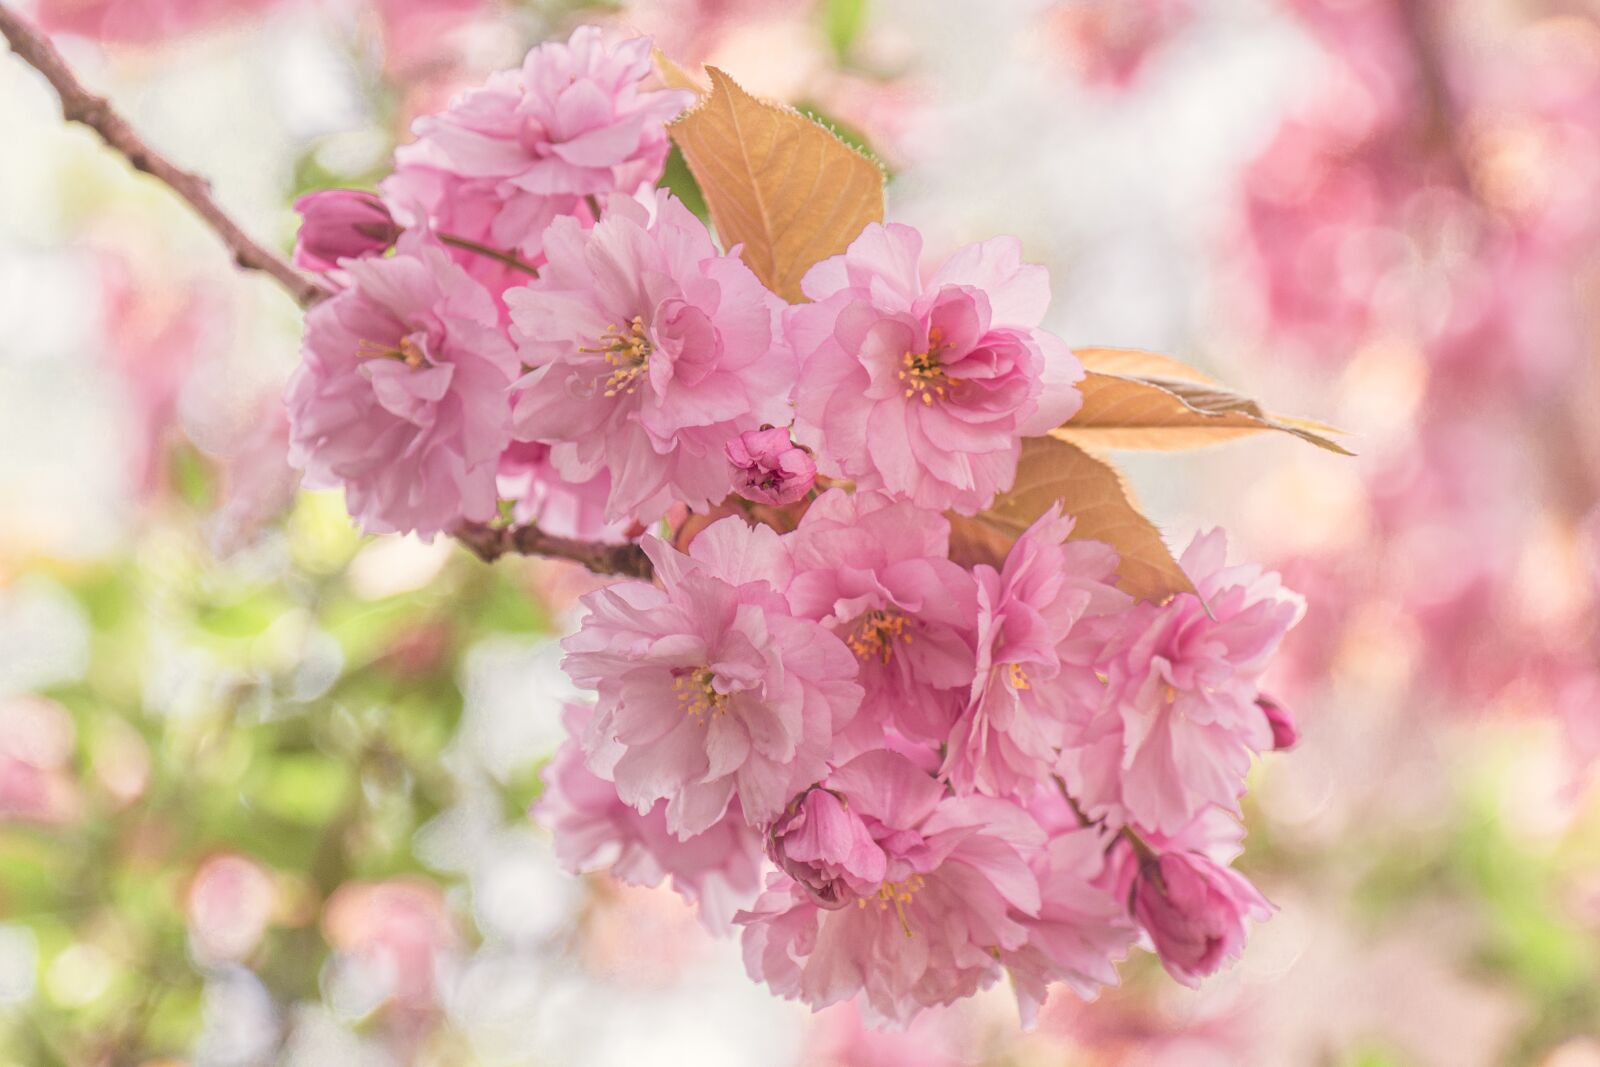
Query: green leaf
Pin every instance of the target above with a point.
(305, 787)
(678, 181)
(842, 21)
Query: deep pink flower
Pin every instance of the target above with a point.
(402, 395)
(719, 870)
(652, 351)
(340, 224)
(876, 571)
(927, 390)
(768, 468)
(1194, 911)
(1179, 718)
(709, 688)
(827, 849)
(1285, 734)
(1028, 685)
(955, 881)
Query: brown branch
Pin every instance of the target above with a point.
(489, 543)
(81, 106)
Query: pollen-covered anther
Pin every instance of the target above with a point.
(896, 895)
(924, 374)
(1019, 677)
(406, 351)
(876, 633)
(628, 351)
(698, 694)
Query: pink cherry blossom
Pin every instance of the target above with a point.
(1285, 734)
(337, 224)
(540, 495)
(1179, 720)
(1027, 687)
(955, 884)
(575, 119)
(1194, 911)
(709, 688)
(402, 395)
(652, 350)
(1082, 928)
(768, 468)
(719, 870)
(926, 390)
(875, 571)
(399, 930)
(508, 158)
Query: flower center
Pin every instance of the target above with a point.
(1019, 677)
(407, 351)
(876, 633)
(699, 696)
(924, 373)
(626, 350)
(896, 895)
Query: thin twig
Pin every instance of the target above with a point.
(489, 543)
(81, 106)
(510, 259)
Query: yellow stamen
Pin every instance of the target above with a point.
(896, 895)
(698, 695)
(875, 634)
(1019, 677)
(628, 351)
(407, 351)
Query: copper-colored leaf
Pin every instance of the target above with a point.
(776, 182)
(1134, 399)
(674, 76)
(1093, 493)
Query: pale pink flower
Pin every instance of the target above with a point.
(402, 396)
(1179, 718)
(768, 468)
(955, 882)
(1029, 686)
(258, 484)
(340, 224)
(574, 119)
(709, 688)
(652, 350)
(927, 389)
(229, 905)
(505, 160)
(876, 571)
(398, 930)
(1194, 911)
(719, 869)
(1082, 929)
(37, 779)
(539, 494)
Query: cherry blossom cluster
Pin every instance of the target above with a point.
(899, 777)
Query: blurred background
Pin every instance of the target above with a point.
(263, 782)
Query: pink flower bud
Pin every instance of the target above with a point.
(1284, 732)
(1194, 911)
(827, 849)
(769, 468)
(342, 224)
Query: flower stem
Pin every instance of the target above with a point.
(510, 259)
